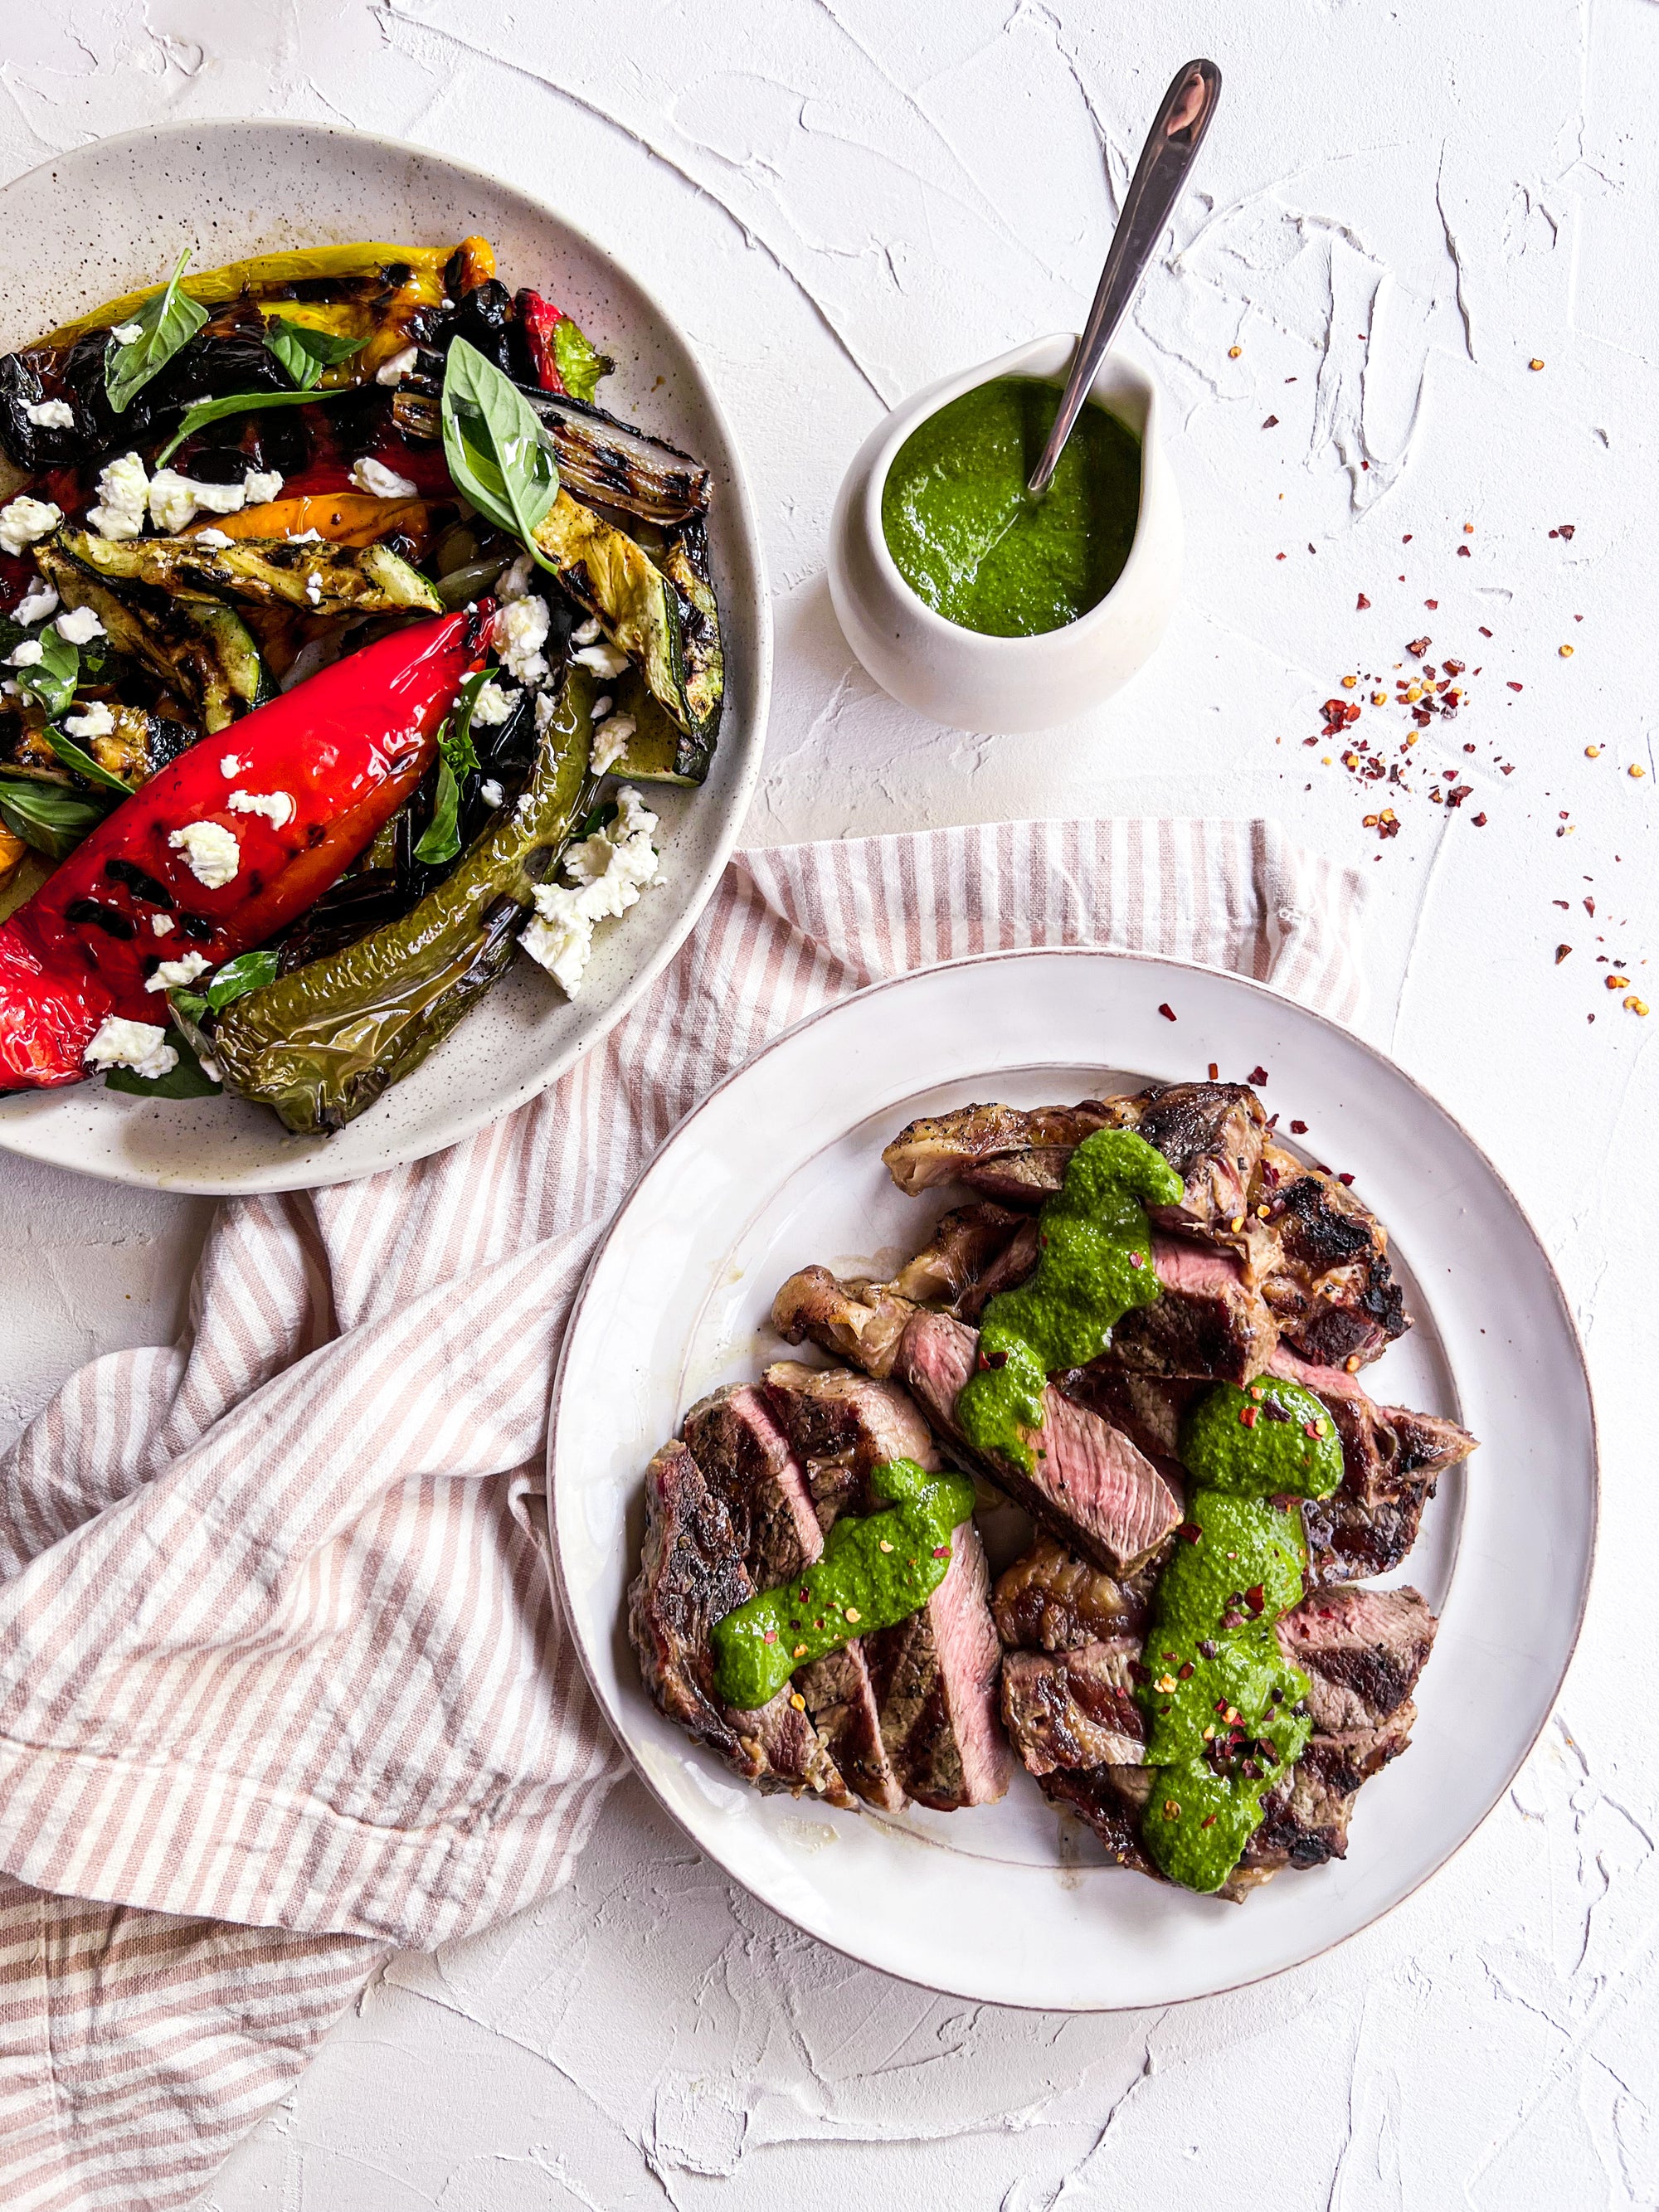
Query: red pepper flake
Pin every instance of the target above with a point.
(1190, 1530)
(1298, 1128)
(1258, 1075)
(1272, 422)
(1186, 1670)
(1136, 1261)
(1168, 1012)
(1417, 646)
(1406, 539)
(1247, 1418)
(1463, 552)
(1515, 687)
(1278, 557)
(1214, 1070)
(941, 1550)
(1484, 632)
(1430, 603)
(1479, 821)
(1208, 1821)
(1564, 530)
(1361, 604)
(1255, 1597)
(1346, 1181)
(770, 1636)
(1561, 952)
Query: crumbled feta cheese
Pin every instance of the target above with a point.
(210, 1068)
(127, 333)
(218, 540)
(609, 870)
(519, 634)
(230, 766)
(584, 633)
(492, 705)
(124, 497)
(185, 969)
(490, 792)
(36, 603)
(307, 537)
(26, 655)
(9, 689)
(79, 626)
(604, 659)
(210, 851)
(95, 719)
(609, 744)
(546, 707)
(514, 582)
(314, 588)
(276, 806)
(162, 924)
(261, 486)
(602, 706)
(381, 482)
(398, 367)
(51, 415)
(137, 1045)
(175, 500)
(27, 521)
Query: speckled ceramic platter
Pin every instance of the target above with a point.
(118, 212)
(781, 1167)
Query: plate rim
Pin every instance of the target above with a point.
(1127, 958)
(312, 1174)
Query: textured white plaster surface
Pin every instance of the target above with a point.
(1399, 208)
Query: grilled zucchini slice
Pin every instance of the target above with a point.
(311, 575)
(201, 650)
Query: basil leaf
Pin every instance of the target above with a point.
(53, 677)
(238, 403)
(46, 816)
(306, 353)
(167, 321)
(493, 444)
(601, 818)
(83, 763)
(189, 1080)
(249, 971)
(581, 363)
(441, 838)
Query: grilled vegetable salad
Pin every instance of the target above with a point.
(339, 622)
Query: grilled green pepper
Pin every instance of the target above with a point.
(658, 751)
(319, 578)
(322, 1042)
(199, 649)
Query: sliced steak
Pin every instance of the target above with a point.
(691, 1574)
(1006, 1271)
(841, 1699)
(1207, 1322)
(1147, 1407)
(964, 1243)
(1362, 1651)
(745, 1460)
(1074, 1708)
(1089, 1482)
(1305, 1821)
(1332, 1291)
(842, 1425)
(1211, 1134)
(935, 1681)
(1052, 1600)
(1111, 1800)
(812, 1307)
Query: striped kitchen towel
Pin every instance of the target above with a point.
(283, 1681)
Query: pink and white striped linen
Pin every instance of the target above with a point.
(283, 1682)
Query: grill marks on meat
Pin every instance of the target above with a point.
(1332, 1291)
(744, 1458)
(1206, 1321)
(1088, 1481)
(842, 1425)
(691, 1574)
(1392, 1459)
(1362, 1651)
(1052, 1600)
(935, 1681)
(1074, 1708)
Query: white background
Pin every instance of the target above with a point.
(1399, 208)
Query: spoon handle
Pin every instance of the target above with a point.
(1171, 147)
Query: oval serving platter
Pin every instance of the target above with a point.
(780, 1167)
(118, 212)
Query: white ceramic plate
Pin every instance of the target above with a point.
(780, 1167)
(118, 212)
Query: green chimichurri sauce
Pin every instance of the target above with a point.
(874, 1570)
(1094, 1263)
(969, 539)
(1218, 1695)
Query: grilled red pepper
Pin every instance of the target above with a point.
(347, 748)
(538, 318)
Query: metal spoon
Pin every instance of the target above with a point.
(1171, 147)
